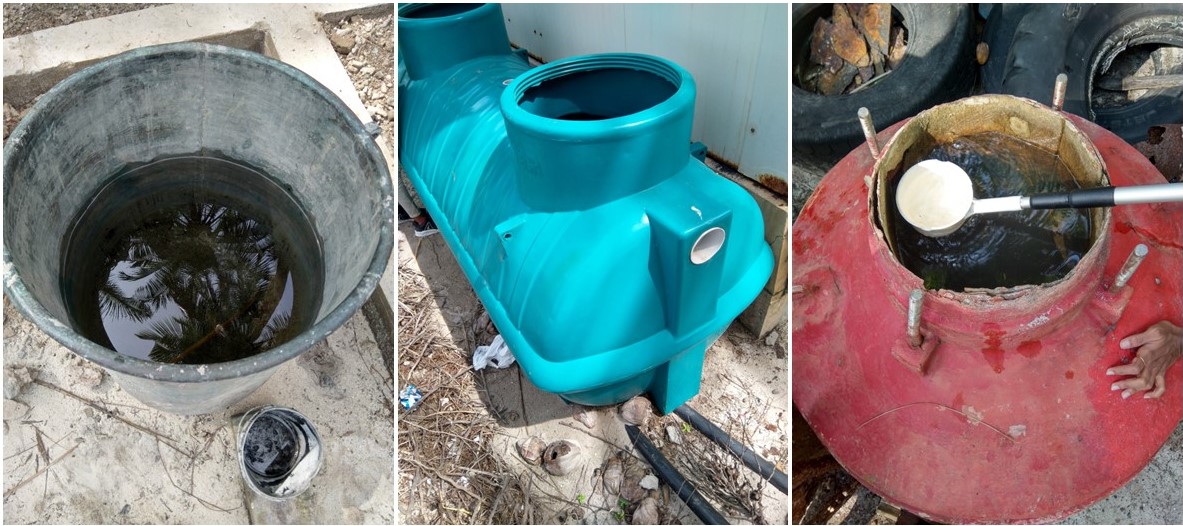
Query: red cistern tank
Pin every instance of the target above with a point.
(992, 404)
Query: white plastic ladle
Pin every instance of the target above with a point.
(937, 197)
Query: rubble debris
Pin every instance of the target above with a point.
(531, 449)
(636, 411)
(342, 42)
(587, 417)
(15, 379)
(647, 512)
(848, 43)
(649, 482)
(874, 21)
(613, 475)
(1164, 149)
(631, 489)
(560, 457)
(672, 433)
(856, 44)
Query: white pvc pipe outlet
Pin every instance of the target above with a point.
(707, 245)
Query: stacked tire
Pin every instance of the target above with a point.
(938, 67)
(1032, 43)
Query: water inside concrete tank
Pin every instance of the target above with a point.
(999, 250)
(1008, 146)
(191, 260)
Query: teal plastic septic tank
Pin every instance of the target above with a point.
(609, 258)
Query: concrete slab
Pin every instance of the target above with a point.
(289, 32)
(79, 449)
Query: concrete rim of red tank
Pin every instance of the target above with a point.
(1017, 302)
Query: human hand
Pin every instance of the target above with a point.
(1158, 348)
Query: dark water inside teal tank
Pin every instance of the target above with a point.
(191, 260)
(999, 250)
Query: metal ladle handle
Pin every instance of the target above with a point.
(1107, 196)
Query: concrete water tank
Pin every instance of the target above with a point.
(211, 106)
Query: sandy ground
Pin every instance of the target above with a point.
(20, 19)
(77, 449)
(1152, 497)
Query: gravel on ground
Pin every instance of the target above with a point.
(20, 19)
(365, 45)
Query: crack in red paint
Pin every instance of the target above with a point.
(1125, 227)
(1150, 236)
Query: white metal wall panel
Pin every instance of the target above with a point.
(738, 54)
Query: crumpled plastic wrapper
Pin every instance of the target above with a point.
(496, 354)
(409, 396)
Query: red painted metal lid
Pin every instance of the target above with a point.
(1012, 419)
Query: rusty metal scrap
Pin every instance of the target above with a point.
(856, 44)
(847, 41)
(1164, 149)
(874, 21)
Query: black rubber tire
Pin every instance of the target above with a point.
(938, 67)
(1032, 43)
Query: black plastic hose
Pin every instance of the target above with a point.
(670, 476)
(750, 459)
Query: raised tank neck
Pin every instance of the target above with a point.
(589, 129)
(436, 37)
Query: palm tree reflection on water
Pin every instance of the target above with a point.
(201, 283)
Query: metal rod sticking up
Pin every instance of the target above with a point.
(1130, 266)
(915, 304)
(1060, 90)
(864, 118)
